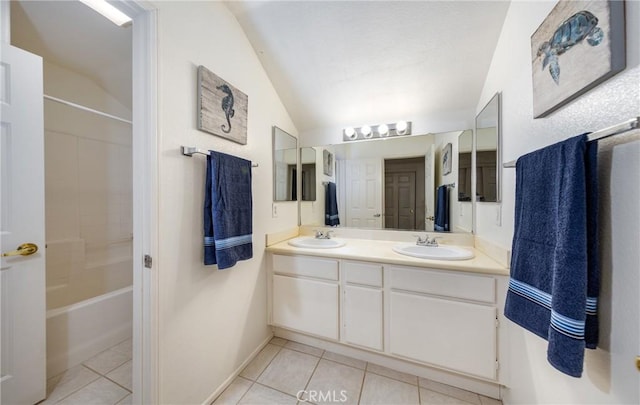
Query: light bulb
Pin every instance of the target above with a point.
(366, 131)
(383, 130)
(401, 127)
(350, 133)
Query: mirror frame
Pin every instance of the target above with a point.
(498, 99)
(273, 164)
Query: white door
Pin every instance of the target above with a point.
(429, 188)
(364, 193)
(22, 281)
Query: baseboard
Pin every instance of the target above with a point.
(236, 372)
(486, 388)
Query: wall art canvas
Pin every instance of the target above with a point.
(446, 159)
(327, 163)
(578, 46)
(222, 108)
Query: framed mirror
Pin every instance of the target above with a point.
(488, 152)
(285, 166)
(389, 183)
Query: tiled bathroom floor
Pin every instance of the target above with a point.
(283, 368)
(104, 379)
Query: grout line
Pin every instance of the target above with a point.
(275, 389)
(268, 364)
(241, 396)
(118, 384)
(417, 384)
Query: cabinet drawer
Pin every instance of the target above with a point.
(326, 269)
(363, 273)
(449, 284)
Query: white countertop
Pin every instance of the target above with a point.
(382, 252)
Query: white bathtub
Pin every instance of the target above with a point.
(79, 331)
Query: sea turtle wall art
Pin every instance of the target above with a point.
(578, 45)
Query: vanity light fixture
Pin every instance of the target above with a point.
(400, 128)
(107, 10)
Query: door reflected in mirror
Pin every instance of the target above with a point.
(308, 175)
(465, 148)
(389, 184)
(285, 163)
(488, 152)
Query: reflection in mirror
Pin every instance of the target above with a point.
(308, 177)
(285, 162)
(465, 146)
(389, 183)
(488, 152)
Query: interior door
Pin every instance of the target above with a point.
(364, 193)
(400, 200)
(22, 278)
(429, 188)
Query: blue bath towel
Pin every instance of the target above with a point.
(441, 223)
(331, 217)
(554, 286)
(227, 211)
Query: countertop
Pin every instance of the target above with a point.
(379, 251)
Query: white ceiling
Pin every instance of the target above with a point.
(349, 63)
(72, 35)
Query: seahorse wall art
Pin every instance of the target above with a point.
(222, 108)
(227, 107)
(582, 25)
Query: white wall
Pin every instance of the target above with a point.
(610, 376)
(88, 191)
(210, 321)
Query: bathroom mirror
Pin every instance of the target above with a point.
(488, 153)
(388, 183)
(308, 174)
(285, 164)
(465, 148)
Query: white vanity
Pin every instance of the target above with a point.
(435, 318)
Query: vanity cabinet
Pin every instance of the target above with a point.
(443, 318)
(362, 302)
(305, 295)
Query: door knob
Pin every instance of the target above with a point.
(25, 249)
(376, 215)
(431, 218)
(638, 362)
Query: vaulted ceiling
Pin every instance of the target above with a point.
(347, 63)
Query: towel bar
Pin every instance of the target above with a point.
(621, 128)
(191, 150)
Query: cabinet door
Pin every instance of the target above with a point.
(456, 335)
(363, 316)
(306, 305)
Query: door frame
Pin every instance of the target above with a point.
(145, 370)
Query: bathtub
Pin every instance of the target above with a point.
(79, 331)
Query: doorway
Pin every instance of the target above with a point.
(135, 210)
(404, 193)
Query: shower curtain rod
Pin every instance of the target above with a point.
(81, 107)
(621, 128)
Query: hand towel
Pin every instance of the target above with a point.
(441, 223)
(554, 282)
(227, 211)
(331, 217)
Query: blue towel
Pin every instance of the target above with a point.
(441, 223)
(227, 211)
(331, 217)
(554, 286)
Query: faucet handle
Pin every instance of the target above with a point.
(420, 240)
(327, 234)
(319, 233)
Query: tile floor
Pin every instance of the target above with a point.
(283, 368)
(104, 379)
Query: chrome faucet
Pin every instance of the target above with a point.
(323, 235)
(426, 241)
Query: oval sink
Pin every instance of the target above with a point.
(313, 243)
(441, 252)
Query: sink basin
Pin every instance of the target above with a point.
(441, 252)
(313, 243)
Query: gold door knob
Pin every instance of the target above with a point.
(638, 362)
(25, 249)
(431, 218)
